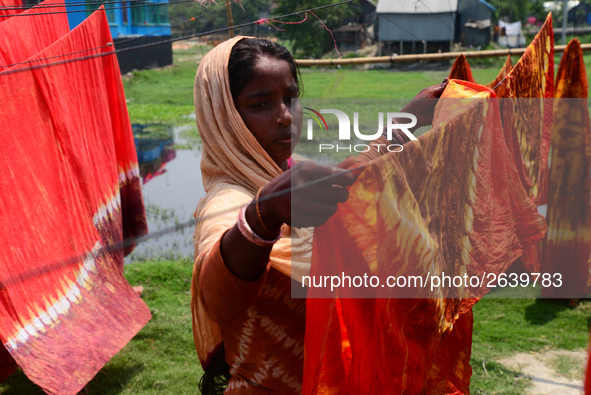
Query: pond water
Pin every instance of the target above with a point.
(172, 187)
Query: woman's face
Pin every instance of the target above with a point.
(265, 105)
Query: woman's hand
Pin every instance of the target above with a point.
(423, 105)
(311, 194)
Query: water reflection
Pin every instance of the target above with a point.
(155, 147)
(171, 187)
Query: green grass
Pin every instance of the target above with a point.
(506, 326)
(566, 366)
(161, 359)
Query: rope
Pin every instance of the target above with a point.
(122, 50)
(75, 260)
(108, 44)
(72, 4)
(106, 8)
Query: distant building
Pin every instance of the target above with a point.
(357, 31)
(129, 21)
(417, 26)
(128, 25)
(473, 25)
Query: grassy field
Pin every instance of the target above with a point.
(161, 359)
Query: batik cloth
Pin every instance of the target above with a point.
(69, 160)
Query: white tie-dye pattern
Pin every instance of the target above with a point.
(262, 375)
(274, 293)
(245, 341)
(275, 330)
(267, 357)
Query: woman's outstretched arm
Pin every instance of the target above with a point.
(300, 190)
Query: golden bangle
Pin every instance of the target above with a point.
(259, 212)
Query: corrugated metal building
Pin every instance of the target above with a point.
(416, 20)
(475, 13)
(425, 25)
(474, 9)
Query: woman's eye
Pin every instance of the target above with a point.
(260, 104)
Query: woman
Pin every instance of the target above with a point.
(245, 259)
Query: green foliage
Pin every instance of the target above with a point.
(214, 16)
(517, 10)
(536, 8)
(311, 39)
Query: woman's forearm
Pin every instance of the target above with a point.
(243, 258)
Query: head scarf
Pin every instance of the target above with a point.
(229, 148)
(233, 166)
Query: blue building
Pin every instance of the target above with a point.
(130, 21)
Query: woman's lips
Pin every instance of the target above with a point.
(287, 138)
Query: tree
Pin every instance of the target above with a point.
(515, 10)
(310, 38)
(213, 15)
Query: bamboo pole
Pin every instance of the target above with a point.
(423, 57)
(230, 19)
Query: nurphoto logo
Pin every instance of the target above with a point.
(394, 120)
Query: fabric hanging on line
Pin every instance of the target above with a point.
(9, 4)
(24, 37)
(450, 202)
(527, 119)
(65, 307)
(568, 244)
(527, 123)
(500, 89)
(461, 70)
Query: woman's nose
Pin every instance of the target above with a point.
(285, 118)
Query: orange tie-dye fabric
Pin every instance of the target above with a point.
(461, 70)
(527, 123)
(527, 119)
(568, 216)
(446, 204)
(500, 90)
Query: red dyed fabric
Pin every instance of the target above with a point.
(449, 203)
(25, 36)
(66, 144)
(461, 70)
(9, 4)
(568, 244)
(527, 123)
(588, 374)
(500, 90)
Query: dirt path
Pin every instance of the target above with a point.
(551, 372)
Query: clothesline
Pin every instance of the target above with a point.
(129, 49)
(110, 44)
(73, 4)
(125, 243)
(106, 8)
